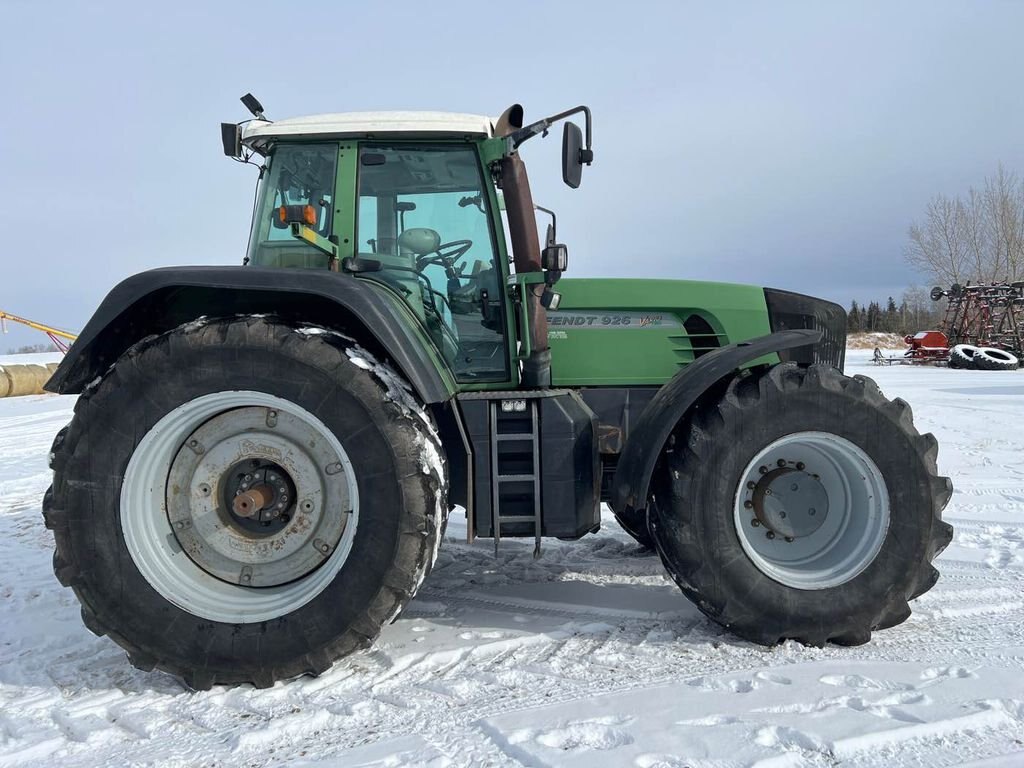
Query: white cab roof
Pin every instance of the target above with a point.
(260, 133)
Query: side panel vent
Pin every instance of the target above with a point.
(702, 335)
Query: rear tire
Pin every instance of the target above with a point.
(991, 359)
(855, 456)
(178, 580)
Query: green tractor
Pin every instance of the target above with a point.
(263, 457)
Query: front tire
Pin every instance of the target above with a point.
(802, 505)
(171, 555)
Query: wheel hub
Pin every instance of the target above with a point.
(255, 497)
(811, 510)
(260, 495)
(790, 502)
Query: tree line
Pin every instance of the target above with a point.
(914, 312)
(31, 348)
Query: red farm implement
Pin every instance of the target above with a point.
(925, 347)
(985, 315)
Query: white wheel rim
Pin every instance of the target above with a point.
(811, 548)
(155, 549)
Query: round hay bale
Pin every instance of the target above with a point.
(42, 375)
(5, 383)
(26, 379)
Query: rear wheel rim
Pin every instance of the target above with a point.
(811, 510)
(184, 538)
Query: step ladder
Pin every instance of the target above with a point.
(515, 467)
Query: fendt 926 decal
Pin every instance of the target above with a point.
(638, 320)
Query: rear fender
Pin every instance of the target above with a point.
(161, 299)
(672, 402)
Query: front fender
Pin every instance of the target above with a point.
(161, 299)
(650, 433)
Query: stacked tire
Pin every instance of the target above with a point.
(968, 356)
(990, 359)
(962, 356)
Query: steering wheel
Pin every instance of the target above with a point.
(446, 254)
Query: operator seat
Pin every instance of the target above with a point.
(399, 269)
(419, 241)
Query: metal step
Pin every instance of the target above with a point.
(497, 518)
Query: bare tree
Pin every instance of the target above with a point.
(1004, 214)
(977, 238)
(921, 313)
(938, 246)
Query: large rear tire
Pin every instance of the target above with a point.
(243, 501)
(802, 505)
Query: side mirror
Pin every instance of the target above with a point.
(555, 258)
(231, 138)
(572, 157)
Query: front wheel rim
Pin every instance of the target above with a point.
(265, 581)
(812, 510)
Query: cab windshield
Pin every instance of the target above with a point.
(295, 175)
(423, 213)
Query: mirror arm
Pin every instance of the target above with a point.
(516, 138)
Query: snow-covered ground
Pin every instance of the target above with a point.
(588, 657)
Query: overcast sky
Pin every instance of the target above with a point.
(782, 144)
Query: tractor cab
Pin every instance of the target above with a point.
(410, 200)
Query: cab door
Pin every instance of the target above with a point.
(424, 212)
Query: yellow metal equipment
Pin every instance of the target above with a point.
(60, 338)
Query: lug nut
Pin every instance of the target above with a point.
(748, 504)
(751, 485)
(763, 470)
(800, 466)
(755, 522)
(789, 539)
(770, 534)
(781, 463)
